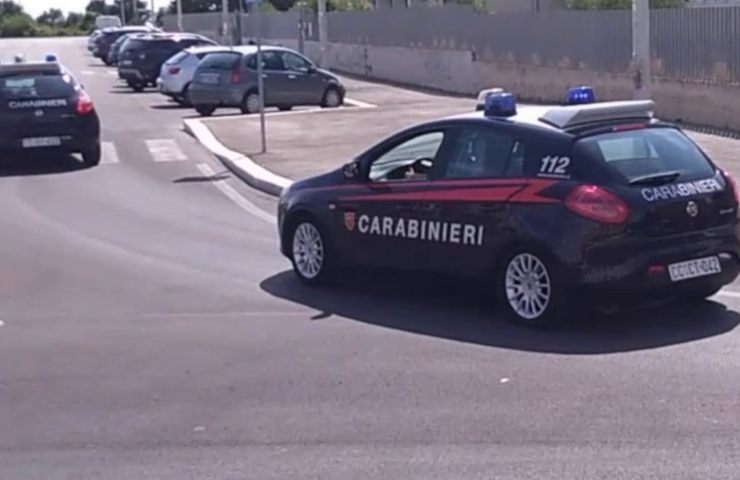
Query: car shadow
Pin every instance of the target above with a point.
(171, 106)
(18, 165)
(129, 91)
(204, 178)
(461, 310)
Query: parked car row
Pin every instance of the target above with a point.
(195, 71)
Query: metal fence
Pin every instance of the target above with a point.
(693, 44)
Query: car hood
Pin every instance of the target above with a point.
(329, 179)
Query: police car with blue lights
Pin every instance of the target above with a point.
(547, 203)
(43, 108)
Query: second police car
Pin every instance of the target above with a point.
(548, 203)
(44, 109)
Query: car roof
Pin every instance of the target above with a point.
(209, 49)
(568, 119)
(30, 68)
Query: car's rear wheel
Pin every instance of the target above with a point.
(285, 108)
(250, 103)
(530, 288)
(699, 294)
(205, 110)
(310, 254)
(185, 96)
(332, 98)
(92, 156)
(137, 86)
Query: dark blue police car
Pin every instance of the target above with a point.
(547, 202)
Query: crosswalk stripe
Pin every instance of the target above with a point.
(165, 150)
(88, 72)
(110, 154)
(112, 73)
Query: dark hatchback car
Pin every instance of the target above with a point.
(141, 57)
(551, 206)
(43, 108)
(103, 43)
(229, 80)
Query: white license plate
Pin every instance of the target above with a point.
(694, 268)
(209, 78)
(41, 142)
(126, 62)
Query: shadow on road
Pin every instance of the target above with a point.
(171, 106)
(461, 310)
(205, 178)
(19, 165)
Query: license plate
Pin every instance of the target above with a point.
(209, 78)
(41, 142)
(127, 62)
(694, 268)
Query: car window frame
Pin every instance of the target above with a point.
(385, 147)
(306, 61)
(456, 130)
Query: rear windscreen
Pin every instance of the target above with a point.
(220, 61)
(645, 152)
(178, 58)
(33, 87)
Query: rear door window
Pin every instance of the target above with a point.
(220, 61)
(178, 58)
(644, 153)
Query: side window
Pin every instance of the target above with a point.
(295, 62)
(482, 152)
(270, 61)
(412, 159)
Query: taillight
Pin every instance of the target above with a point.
(236, 76)
(733, 185)
(597, 204)
(174, 70)
(84, 104)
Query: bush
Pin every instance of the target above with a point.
(20, 25)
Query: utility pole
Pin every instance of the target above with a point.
(179, 16)
(257, 5)
(123, 12)
(301, 26)
(135, 18)
(239, 32)
(225, 20)
(323, 33)
(641, 78)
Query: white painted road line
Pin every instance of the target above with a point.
(359, 103)
(234, 196)
(88, 72)
(165, 150)
(112, 73)
(110, 154)
(728, 293)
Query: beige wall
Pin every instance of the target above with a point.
(457, 71)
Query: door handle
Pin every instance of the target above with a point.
(292, 77)
(264, 75)
(379, 187)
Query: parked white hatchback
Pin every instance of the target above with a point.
(177, 72)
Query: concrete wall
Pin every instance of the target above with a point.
(458, 72)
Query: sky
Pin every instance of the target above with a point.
(37, 7)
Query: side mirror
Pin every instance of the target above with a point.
(351, 170)
(312, 69)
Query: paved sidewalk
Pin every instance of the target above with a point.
(308, 142)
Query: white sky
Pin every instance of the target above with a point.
(37, 7)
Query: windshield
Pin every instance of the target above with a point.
(220, 61)
(178, 58)
(648, 152)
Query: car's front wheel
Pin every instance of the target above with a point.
(531, 289)
(250, 103)
(137, 86)
(332, 98)
(310, 254)
(92, 156)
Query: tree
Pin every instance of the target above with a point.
(52, 17)
(10, 8)
(19, 25)
(100, 7)
(201, 6)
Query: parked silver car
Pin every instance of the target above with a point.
(177, 73)
(229, 79)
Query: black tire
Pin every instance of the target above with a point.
(249, 102)
(92, 157)
(327, 266)
(107, 62)
(205, 110)
(332, 98)
(699, 294)
(285, 108)
(137, 87)
(552, 310)
(185, 96)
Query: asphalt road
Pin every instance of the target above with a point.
(150, 330)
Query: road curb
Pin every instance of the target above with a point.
(243, 167)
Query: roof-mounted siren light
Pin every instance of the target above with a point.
(19, 58)
(481, 102)
(500, 105)
(50, 58)
(580, 95)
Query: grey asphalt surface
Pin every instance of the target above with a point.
(151, 331)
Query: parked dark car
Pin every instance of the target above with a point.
(141, 58)
(104, 42)
(230, 80)
(115, 49)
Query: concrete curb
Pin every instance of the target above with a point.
(243, 167)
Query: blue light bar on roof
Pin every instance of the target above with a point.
(580, 95)
(51, 57)
(500, 105)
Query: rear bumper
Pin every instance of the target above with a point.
(216, 95)
(169, 86)
(621, 270)
(134, 74)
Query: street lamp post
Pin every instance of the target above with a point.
(179, 15)
(642, 79)
(225, 20)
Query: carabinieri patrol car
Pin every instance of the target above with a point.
(546, 202)
(43, 108)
